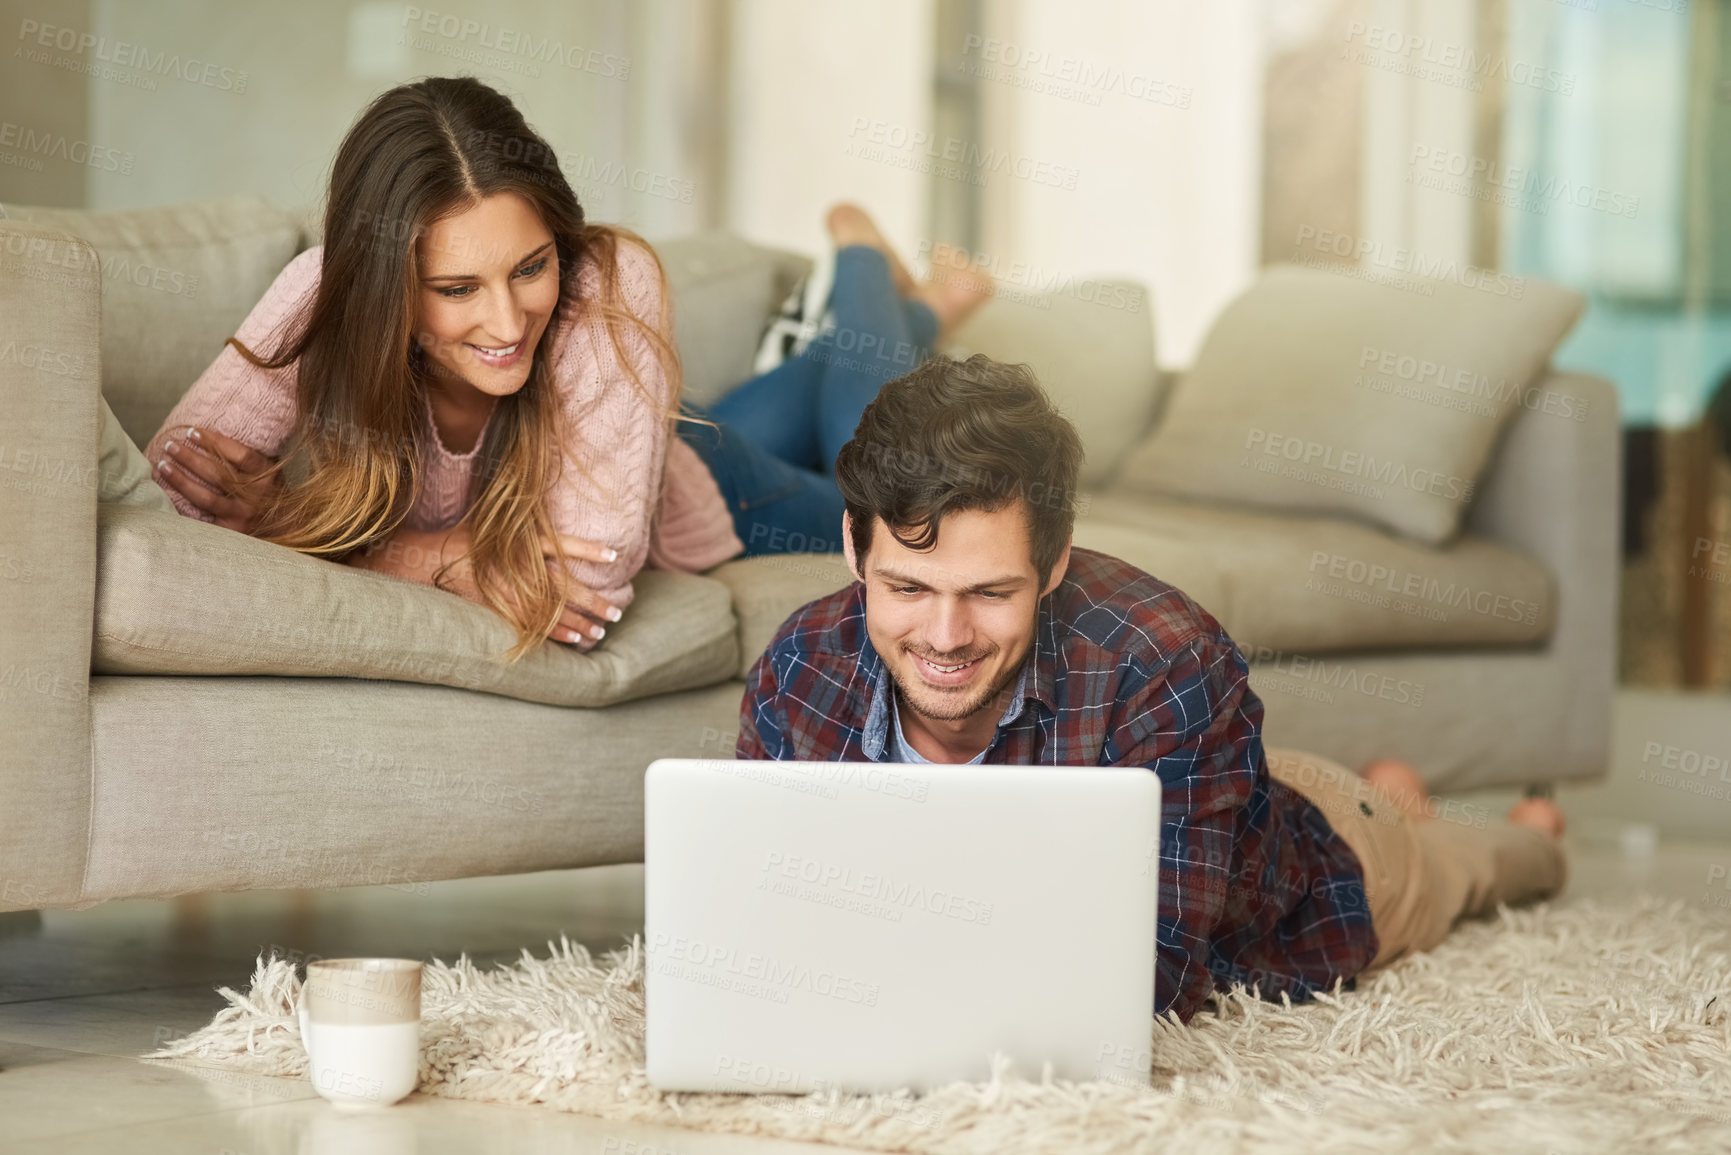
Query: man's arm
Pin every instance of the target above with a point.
(762, 727)
(1197, 724)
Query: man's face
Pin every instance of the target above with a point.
(954, 622)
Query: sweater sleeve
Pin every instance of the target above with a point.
(254, 406)
(617, 430)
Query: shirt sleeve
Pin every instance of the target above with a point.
(1255, 887)
(256, 407)
(761, 724)
(1197, 725)
(611, 482)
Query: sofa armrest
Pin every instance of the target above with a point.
(1553, 490)
(50, 402)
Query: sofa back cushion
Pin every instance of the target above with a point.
(176, 283)
(1091, 344)
(179, 596)
(1319, 393)
(724, 291)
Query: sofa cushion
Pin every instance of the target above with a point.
(206, 784)
(1091, 345)
(123, 473)
(1320, 393)
(1287, 584)
(179, 596)
(1279, 584)
(176, 283)
(724, 291)
(767, 589)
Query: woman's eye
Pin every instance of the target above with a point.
(458, 292)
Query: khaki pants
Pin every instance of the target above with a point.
(1420, 876)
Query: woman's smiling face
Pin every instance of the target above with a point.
(489, 282)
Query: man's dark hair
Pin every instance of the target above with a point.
(957, 435)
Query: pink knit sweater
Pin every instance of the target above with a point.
(624, 444)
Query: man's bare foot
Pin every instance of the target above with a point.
(1403, 784)
(954, 289)
(849, 224)
(1541, 814)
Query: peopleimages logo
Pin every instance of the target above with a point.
(1431, 59)
(1421, 371)
(1070, 77)
(57, 146)
(881, 140)
(1358, 466)
(124, 54)
(514, 42)
(1452, 171)
(1395, 259)
(891, 895)
(667, 952)
(1419, 589)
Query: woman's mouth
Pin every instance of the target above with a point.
(498, 357)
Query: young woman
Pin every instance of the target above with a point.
(470, 386)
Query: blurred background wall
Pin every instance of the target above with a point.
(1180, 143)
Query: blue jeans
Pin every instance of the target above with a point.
(774, 440)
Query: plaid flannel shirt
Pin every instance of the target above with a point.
(1125, 670)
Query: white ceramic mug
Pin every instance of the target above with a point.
(360, 1023)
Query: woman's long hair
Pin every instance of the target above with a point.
(418, 153)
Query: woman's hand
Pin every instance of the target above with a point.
(417, 555)
(234, 496)
(585, 610)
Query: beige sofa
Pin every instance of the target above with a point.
(186, 709)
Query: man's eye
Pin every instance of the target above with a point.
(907, 589)
(993, 594)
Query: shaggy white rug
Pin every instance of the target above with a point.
(1585, 1026)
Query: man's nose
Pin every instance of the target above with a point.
(951, 628)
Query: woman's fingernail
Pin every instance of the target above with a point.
(194, 435)
(611, 555)
(613, 613)
(168, 447)
(598, 632)
(162, 466)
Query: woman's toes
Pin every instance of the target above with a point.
(1541, 814)
(849, 224)
(955, 287)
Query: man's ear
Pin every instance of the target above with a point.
(847, 544)
(1059, 568)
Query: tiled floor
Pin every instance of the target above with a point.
(83, 993)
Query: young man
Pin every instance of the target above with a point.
(976, 633)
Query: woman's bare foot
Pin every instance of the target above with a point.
(849, 224)
(1541, 814)
(1403, 784)
(954, 289)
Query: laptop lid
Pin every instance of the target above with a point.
(870, 926)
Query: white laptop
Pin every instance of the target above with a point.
(868, 926)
